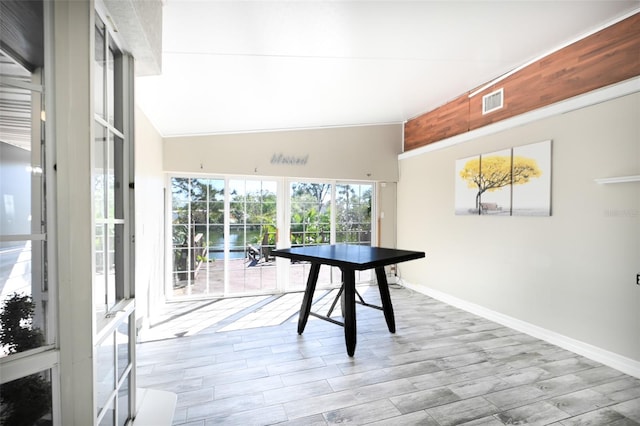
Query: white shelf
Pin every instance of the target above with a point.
(619, 179)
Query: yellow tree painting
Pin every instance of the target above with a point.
(533, 198)
(492, 179)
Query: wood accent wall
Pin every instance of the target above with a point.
(609, 56)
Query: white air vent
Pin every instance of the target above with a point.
(492, 101)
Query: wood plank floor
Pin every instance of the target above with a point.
(443, 367)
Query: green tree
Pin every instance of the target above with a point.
(310, 213)
(318, 191)
(488, 174)
(353, 215)
(26, 400)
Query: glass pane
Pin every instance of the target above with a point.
(310, 214)
(105, 371)
(109, 176)
(120, 187)
(310, 225)
(122, 346)
(353, 218)
(27, 400)
(179, 194)
(15, 190)
(109, 416)
(99, 67)
(23, 307)
(101, 271)
(110, 86)
(198, 236)
(353, 214)
(99, 172)
(124, 410)
(111, 266)
(252, 234)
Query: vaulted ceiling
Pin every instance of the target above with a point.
(241, 66)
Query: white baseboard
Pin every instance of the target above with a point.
(611, 359)
(155, 407)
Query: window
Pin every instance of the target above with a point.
(108, 176)
(27, 291)
(23, 283)
(112, 212)
(27, 400)
(218, 250)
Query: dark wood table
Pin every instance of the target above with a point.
(349, 258)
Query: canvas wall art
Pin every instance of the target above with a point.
(514, 181)
(467, 173)
(532, 180)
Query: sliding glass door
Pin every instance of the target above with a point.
(224, 228)
(328, 213)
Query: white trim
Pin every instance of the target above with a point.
(23, 237)
(594, 97)
(18, 366)
(618, 179)
(611, 359)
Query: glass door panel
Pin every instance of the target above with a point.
(198, 242)
(353, 218)
(310, 224)
(252, 236)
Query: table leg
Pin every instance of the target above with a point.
(349, 312)
(387, 307)
(308, 297)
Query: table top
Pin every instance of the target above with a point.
(349, 255)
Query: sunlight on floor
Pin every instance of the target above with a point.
(273, 313)
(192, 317)
(189, 318)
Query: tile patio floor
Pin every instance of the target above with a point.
(241, 362)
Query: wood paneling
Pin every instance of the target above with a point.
(449, 120)
(604, 58)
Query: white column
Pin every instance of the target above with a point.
(73, 56)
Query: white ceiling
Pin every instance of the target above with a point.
(241, 66)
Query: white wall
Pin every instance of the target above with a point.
(572, 273)
(386, 214)
(149, 199)
(354, 153)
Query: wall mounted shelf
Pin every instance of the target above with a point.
(619, 179)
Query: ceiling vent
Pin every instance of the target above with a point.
(492, 101)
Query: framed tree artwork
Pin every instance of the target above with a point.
(514, 181)
(532, 180)
(467, 173)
